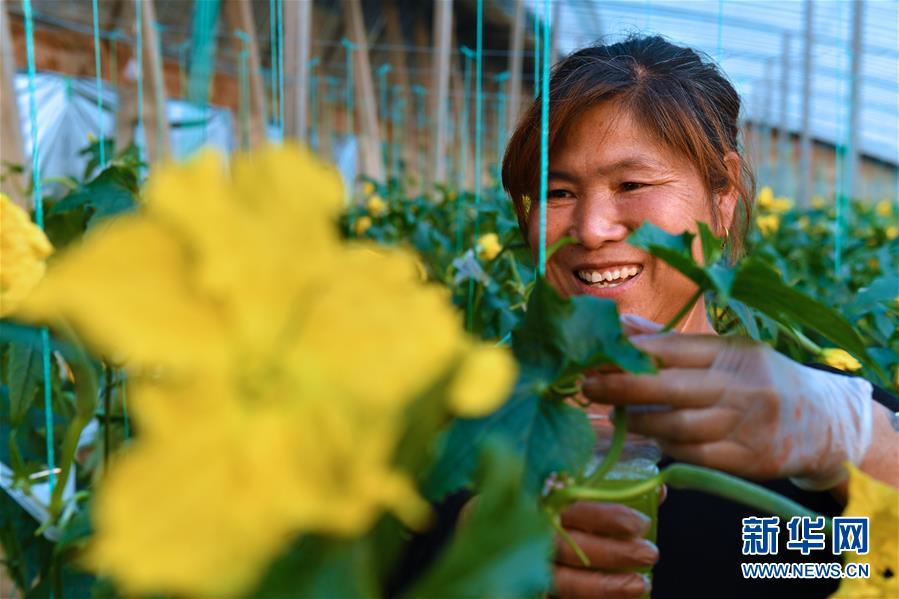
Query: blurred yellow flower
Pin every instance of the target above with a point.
(892, 232)
(818, 202)
(803, 222)
(781, 205)
(376, 206)
(884, 208)
(839, 358)
(281, 385)
(23, 250)
(765, 197)
(879, 502)
(486, 375)
(768, 202)
(368, 188)
(489, 246)
(873, 263)
(768, 223)
(362, 224)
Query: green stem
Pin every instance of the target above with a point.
(556, 523)
(687, 476)
(683, 311)
(85, 405)
(800, 338)
(619, 420)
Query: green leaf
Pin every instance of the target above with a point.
(503, 549)
(562, 337)
(760, 287)
(62, 228)
(548, 435)
(591, 335)
(320, 568)
(24, 379)
(673, 249)
(112, 192)
(711, 245)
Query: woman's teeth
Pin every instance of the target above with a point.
(608, 278)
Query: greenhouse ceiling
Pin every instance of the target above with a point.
(749, 39)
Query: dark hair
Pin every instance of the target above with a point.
(680, 96)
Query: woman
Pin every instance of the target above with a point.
(645, 130)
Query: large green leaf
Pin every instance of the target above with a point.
(759, 286)
(502, 549)
(754, 283)
(320, 568)
(548, 435)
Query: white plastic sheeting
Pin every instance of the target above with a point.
(67, 115)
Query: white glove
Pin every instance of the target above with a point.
(740, 406)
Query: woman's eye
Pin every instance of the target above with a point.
(558, 193)
(632, 185)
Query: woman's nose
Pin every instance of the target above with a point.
(596, 222)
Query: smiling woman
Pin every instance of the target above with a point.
(647, 131)
(650, 138)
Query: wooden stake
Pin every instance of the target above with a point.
(366, 106)
(396, 40)
(156, 122)
(12, 148)
(238, 14)
(443, 22)
(516, 62)
(297, 46)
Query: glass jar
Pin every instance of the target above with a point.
(639, 460)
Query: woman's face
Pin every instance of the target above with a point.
(606, 176)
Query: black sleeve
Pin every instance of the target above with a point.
(422, 550)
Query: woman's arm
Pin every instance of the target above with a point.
(882, 459)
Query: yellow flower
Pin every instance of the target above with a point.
(884, 208)
(280, 387)
(765, 198)
(768, 223)
(376, 206)
(362, 224)
(485, 379)
(879, 502)
(873, 263)
(818, 202)
(23, 249)
(803, 222)
(892, 232)
(781, 205)
(489, 246)
(368, 188)
(839, 358)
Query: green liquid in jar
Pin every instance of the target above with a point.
(623, 475)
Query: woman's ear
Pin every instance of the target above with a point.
(726, 201)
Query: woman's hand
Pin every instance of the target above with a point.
(739, 406)
(611, 536)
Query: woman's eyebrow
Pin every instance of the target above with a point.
(630, 162)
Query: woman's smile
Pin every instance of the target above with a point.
(606, 279)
